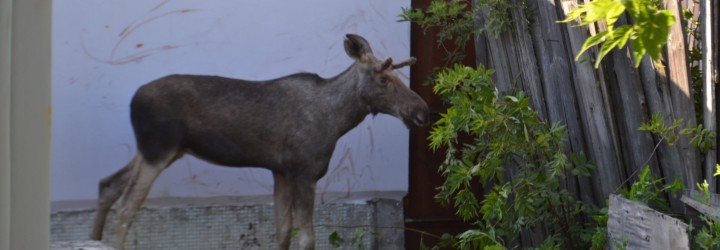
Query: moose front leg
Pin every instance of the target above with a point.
(303, 208)
(294, 198)
(283, 210)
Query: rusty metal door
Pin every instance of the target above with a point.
(422, 212)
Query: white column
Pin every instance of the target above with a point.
(25, 33)
(5, 49)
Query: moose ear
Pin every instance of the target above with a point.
(386, 64)
(356, 46)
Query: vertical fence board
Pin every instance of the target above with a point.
(559, 89)
(512, 55)
(595, 115)
(555, 74)
(657, 89)
(682, 98)
(513, 58)
(628, 107)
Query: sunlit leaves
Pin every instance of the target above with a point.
(608, 10)
(652, 29)
(648, 31)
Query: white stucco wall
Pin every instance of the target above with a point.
(104, 50)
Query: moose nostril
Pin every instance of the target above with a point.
(421, 119)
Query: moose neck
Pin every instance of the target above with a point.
(343, 98)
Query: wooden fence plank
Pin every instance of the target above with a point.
(629, 110)
(632, 225)
(554, 62)
(712, 209)
(513, 58)
(512, 55)
(682, 98)
(657, 91)
(595, 115)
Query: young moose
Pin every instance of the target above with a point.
(288, 125)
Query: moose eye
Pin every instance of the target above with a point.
(383, 80)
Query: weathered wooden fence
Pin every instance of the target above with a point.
(602, 108)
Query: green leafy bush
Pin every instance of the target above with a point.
(649, 190)
(507, 137)
(708, 237)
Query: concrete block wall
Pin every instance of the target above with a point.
(226, 223)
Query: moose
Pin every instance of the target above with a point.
(289, 126)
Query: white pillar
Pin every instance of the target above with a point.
(25, 64)
(5, 48)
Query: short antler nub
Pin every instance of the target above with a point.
(407, 62)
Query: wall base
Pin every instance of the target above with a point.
(230, 223)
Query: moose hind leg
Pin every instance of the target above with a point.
(110, 190)
(145, 174)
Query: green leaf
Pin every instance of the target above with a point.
(596, 10)
(616, 38)
(648, 32)
(576, 13)
(357, 238)
(613, 13)
(335, 239)
(622, 35)
(592, 41)
(653, 28)
(494, 247)
(422, 244)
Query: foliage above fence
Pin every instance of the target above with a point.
(647, 33)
